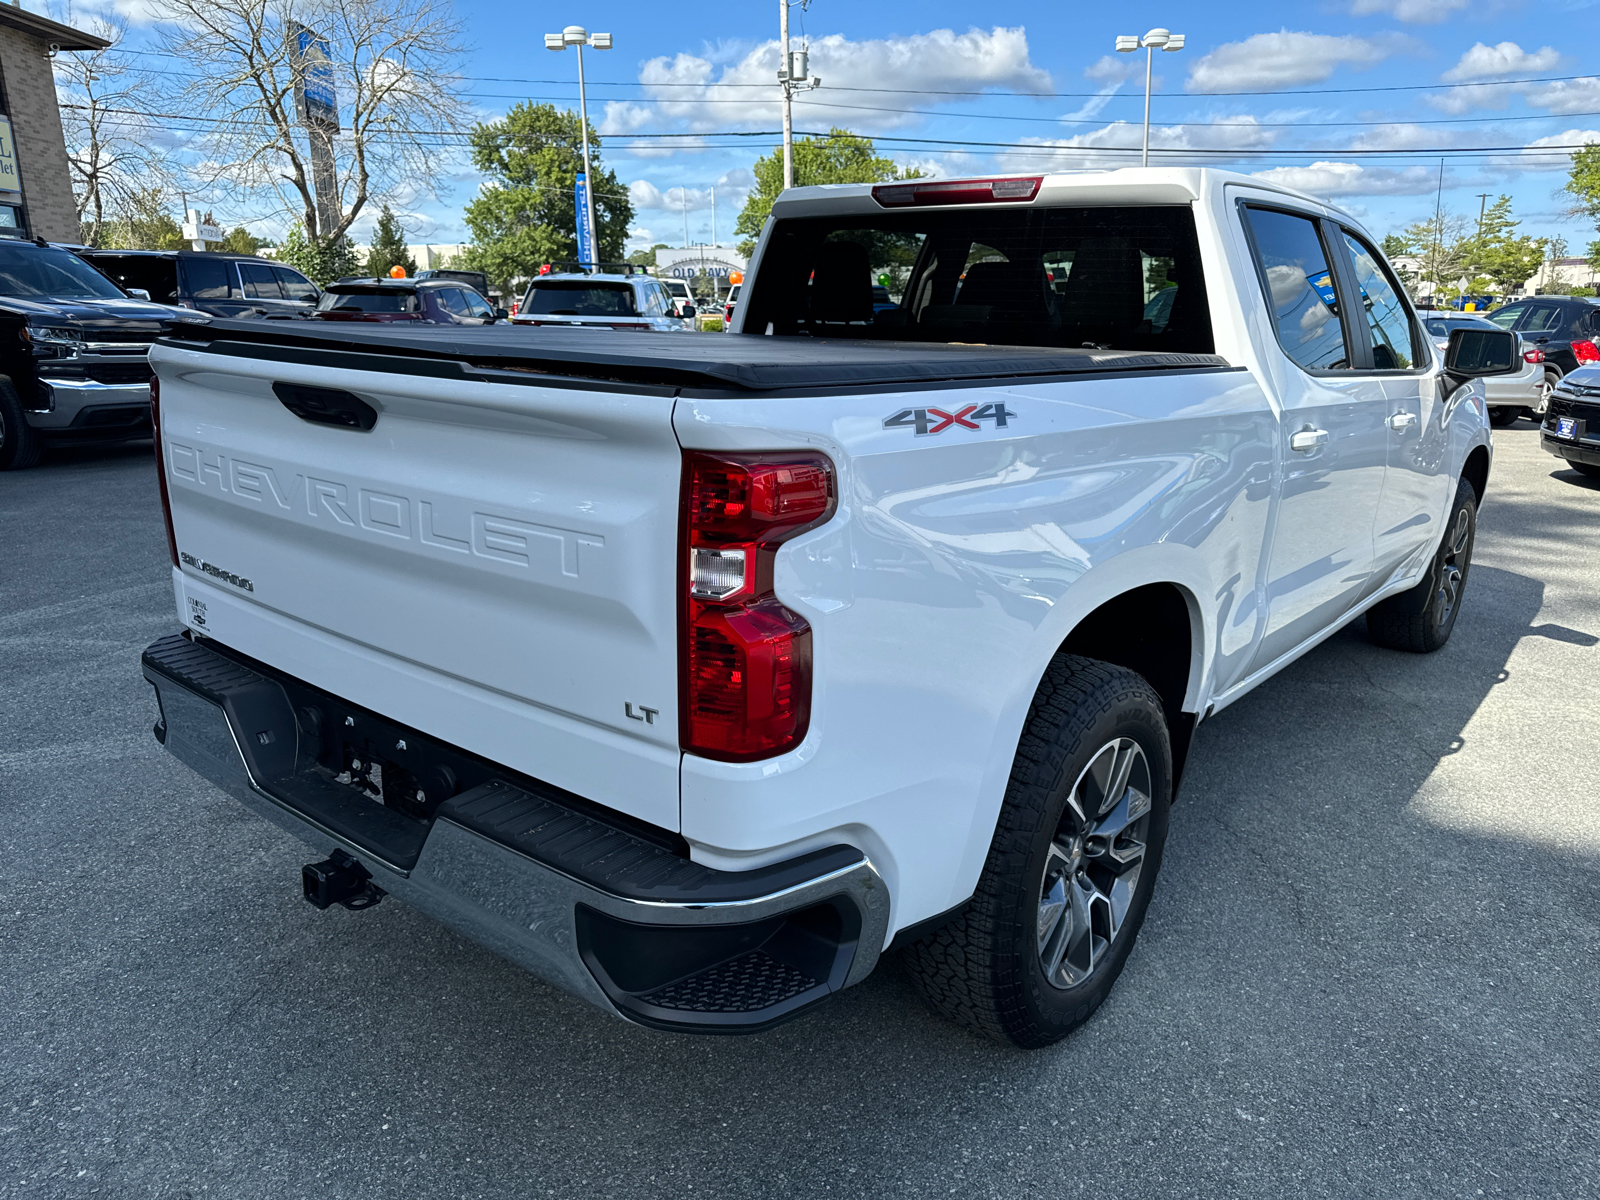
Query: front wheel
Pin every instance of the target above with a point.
(1420, 620)
(1071, 867)
(19, 444)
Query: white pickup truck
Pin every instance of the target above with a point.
(695, 674)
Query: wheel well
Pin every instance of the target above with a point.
(1476, 472)
(1146, 630)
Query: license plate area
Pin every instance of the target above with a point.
(1567, 427)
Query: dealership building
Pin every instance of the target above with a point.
(35, 180)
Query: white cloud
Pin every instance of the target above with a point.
(731, 190)
(1550, 160)
(1473, 96)
(1566, 96)
(691, 93)
(1114, 68)
(1088, 150)
(1283, 59)
(1401, 137)
(1415, 12)
(1496, 62)
(1329, 179)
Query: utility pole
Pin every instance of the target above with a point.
(1483, 199)
(792, 74)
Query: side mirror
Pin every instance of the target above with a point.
(500, 314)
(688, 312)
(1474, 353)
(138, 293)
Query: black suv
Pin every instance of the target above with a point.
(73, 352)
(1566, 328)
(224, 285)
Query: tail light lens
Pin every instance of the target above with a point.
(745, 659)
(1533, 356)
(161, 467)
(1586, 351)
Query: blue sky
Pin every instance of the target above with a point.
(1049, 89)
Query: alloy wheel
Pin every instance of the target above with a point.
(1453, 568)
(1094, 863)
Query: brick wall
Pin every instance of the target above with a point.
(36, 128)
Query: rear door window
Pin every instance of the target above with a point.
(1394, 343)
(209, 279)
(1508, 316)
(151, 273)
(294, 285)
(1541, 318)
(259, 281)
(1299, 289)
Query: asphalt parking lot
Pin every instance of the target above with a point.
(1371, 967)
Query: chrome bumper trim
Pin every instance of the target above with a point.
(72, 396)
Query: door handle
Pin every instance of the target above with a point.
(1308, 439)
(1402, 420)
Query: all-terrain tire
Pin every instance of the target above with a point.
(1420, 620)
(19, 444)
(984, 970)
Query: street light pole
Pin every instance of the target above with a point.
(578, 36)
(1156, 39)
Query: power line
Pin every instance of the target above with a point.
(1415, 87)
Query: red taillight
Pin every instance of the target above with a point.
(745, 659)
(1586, 351)
(161, 467)
(1533, 356)
(958, 191)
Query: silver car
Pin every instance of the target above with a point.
(1509, 396)
(599, 302)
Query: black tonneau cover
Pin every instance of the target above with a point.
(742, 362)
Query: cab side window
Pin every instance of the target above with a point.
(1506, 317)
(259, 281)
(208, 278)
(1394, 342)
(477, 306)
(1299, 289)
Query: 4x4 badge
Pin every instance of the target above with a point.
(937, 420)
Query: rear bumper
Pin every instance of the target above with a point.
(607, 915)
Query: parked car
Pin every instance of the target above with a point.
(73, 348)
(1572, 423)
(1566, 328)
(224, 285)
(638, 303)
(695, 674)
(682, 297)
(418, 301)
(476, 280)
(728, 305)
(1524, 393)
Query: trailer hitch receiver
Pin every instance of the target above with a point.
(340, 879)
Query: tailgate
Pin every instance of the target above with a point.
(492, 563)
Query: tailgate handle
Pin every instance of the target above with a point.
(326, 406)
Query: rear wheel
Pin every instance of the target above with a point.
(1071, 867)
(1502, 416)
(19, 444)
(1420, 620)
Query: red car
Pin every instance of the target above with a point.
(425, 301)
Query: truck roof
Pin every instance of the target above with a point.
(1119, 185)
(738, 362)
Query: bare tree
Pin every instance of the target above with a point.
(113, 148)
(399, 113)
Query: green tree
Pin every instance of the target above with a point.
(319, 261)
(1441, 245)
(647, 258)
(1583, 182)
(841, 157)
(241, 241)
(388, 247)
(142, 222)
(526, 214)
(1394, 245)
(1498, 254)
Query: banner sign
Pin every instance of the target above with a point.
(316, 97)
(10, 178)
(718, 261)
(580, 196)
